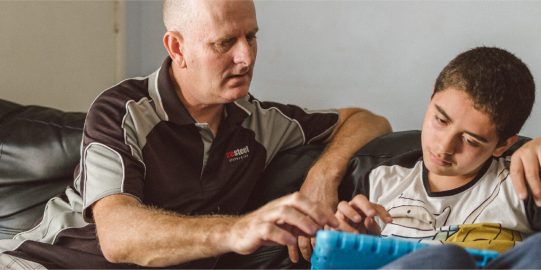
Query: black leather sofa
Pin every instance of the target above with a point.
(39, 148)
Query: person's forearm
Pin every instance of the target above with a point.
(149, 239)
(356, 128)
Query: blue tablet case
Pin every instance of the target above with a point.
(341, 250)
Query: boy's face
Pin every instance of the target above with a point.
(457, 138)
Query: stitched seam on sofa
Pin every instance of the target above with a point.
(24, 209)
(9, 114)
(48, 123)
(382, 163)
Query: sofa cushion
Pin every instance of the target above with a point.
(39, 148)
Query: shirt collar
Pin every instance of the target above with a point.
(173, 107)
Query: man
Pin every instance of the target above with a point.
(168, 161)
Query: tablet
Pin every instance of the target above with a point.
(341, 250)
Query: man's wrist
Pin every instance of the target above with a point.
(329, 171)
(221, 234)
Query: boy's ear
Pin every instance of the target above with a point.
(502, 148)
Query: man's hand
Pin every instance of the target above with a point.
(357, 216)
(525, 168)
(355, 128)
(280, 222)
(318, 187)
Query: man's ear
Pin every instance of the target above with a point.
(500, 149)
(173, 43)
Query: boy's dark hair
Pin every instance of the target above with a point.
(498, 83)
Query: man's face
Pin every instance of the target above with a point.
(220, 51)
(457, 138)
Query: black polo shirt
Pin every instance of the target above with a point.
(140, 140)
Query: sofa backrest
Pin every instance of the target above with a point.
(287, 171)
(39, 148)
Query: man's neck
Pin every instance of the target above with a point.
(211, 114)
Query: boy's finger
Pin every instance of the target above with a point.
(349, 212)
(347, 227)
(363, 204)
(372, 226)
(383, 214)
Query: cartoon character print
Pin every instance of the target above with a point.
(413, 219)
(481, 236)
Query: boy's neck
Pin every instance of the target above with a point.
(439, 183)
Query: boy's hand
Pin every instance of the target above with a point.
(525, 168)
(357, 216)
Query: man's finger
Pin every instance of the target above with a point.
(271, 233)
(293, 252)
(305, 247)
(283, 214)
(531, 172)
(319, 213)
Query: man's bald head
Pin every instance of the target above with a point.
(177, 14)
(181, 15)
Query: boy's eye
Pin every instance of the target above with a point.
(471, 142)
(440, 120)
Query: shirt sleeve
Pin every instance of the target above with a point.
(316, 125)
(111, 160)
(279, 127)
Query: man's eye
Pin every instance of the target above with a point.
(225, 44)
(251, 37)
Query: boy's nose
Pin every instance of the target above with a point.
(446, 145)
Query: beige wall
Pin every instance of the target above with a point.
(60, 53)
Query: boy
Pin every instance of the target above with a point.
(456, 189)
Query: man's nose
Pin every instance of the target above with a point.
(245, 53)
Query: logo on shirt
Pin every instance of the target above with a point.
(237, 154)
